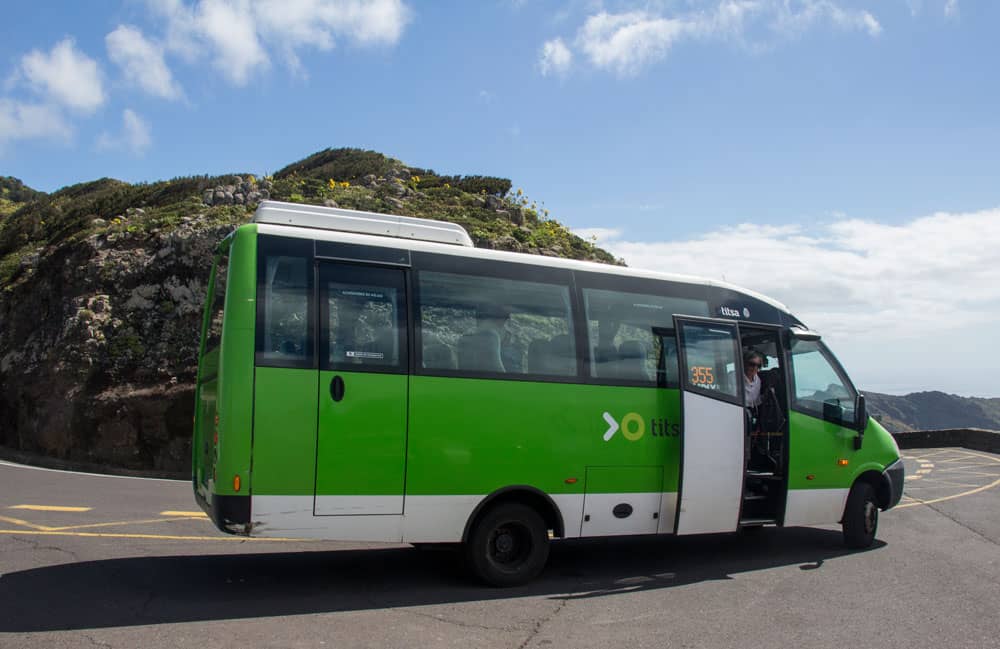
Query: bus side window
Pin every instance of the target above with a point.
(490, 325)
(285, 293)
(622, 344)
(819, 387)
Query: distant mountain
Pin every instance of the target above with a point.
(933, 411)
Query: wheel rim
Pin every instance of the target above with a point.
(871, 517)
(509, 546)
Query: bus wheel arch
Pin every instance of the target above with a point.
(522, 494)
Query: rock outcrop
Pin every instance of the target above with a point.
(102, 286)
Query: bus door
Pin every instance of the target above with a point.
(713, 426)
(363, 390)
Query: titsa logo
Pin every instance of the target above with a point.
(633, 427)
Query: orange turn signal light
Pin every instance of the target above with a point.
(236, 482)
(842, 462)
(570, 480)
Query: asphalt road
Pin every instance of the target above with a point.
(98, 561)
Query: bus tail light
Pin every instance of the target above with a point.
(236, 482)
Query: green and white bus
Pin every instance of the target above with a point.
(377, 378)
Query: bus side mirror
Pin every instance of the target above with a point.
(860, 420)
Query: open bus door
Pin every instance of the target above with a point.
(713, 424)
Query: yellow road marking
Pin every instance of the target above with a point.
(48, 528)
(938, 500)
(171, 512)
(18, 521)
(51, 508)
(164, 537)
(115, 523)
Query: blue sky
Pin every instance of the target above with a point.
(841, 156)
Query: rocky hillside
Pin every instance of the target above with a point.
(933, 411)
(102, 285)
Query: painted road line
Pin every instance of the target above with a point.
(51, 508)
(18, 521)
(171, 512)
(159, 537)
(115, 523)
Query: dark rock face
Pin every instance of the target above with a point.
(98, 348)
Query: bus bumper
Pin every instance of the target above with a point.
(893, 479)
(231, 514)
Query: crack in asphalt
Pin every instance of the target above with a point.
(564, 601)
(96, 642)
(36, 545)
(458, 623)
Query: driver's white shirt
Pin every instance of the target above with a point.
(751, 390)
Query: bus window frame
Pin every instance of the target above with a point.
(272, 245)
(838, 369)
(404, 335)
(491, 269)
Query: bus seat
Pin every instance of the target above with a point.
(480, 352)
(605, 361)
(538, 356)
(562, 356)
(632, 363)
(439, 356)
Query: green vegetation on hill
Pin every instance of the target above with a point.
(350, 178)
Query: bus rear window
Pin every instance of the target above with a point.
(213, 337)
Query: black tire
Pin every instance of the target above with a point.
(508, 546)
(860, 516)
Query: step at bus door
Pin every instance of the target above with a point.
(363, 384)
(713, 426)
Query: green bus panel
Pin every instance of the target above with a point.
(624, 479)
(284, 440)
(474, 436)
(362, 438)
(816, 448)
(236, 363)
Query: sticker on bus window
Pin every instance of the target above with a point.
(371, 295)
(370, 355)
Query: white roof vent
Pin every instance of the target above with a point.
(386, 225)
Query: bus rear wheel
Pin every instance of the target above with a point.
(860, 516)
(508, 546)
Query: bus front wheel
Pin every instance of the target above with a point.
(860, 516)
(508, 546)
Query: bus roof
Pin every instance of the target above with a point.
(386, 225)
(426, 235)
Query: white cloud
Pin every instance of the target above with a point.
(65, 75)
(808, 13)
(142, 62)
(875, 290)
(135, 136)
(627, 42)
(236, 34)
(22, 121)
(555, 58)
